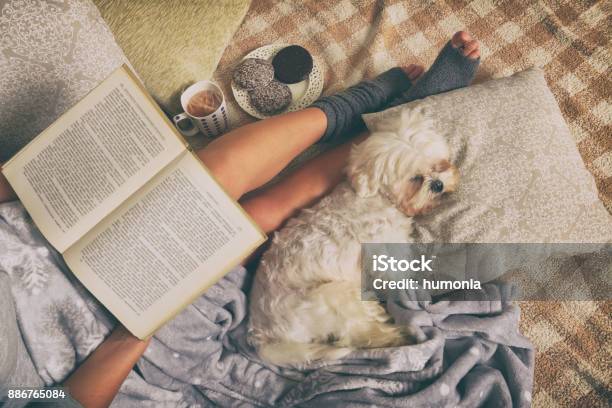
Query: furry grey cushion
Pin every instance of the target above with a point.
(51, 55)
(522, 178)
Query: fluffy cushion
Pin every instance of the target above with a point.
(51, 55)
(522, 178)
(173, 43)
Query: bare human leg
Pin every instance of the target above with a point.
(247, 157)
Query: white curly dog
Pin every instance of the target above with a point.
(306, 299)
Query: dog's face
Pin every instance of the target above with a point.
(425, 191)
(406, 162)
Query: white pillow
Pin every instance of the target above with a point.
(522, 178)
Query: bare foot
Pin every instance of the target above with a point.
(469, 47)
(413, 71)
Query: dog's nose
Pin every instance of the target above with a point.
(436, 186)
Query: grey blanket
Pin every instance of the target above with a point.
(470, 354)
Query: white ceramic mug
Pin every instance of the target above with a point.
(210, 125)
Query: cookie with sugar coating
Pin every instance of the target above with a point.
(271, 99)
(253, 73)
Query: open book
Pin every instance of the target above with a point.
(136, 216)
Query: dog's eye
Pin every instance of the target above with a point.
(417, 179)
(436, 186)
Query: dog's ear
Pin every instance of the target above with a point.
(370, 161)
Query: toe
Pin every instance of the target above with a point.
(474, 54)
(413, 71)
(460, 38)
(471, 49)
(416, 72)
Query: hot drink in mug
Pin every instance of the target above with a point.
(205, 110)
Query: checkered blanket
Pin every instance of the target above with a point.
(570, 40)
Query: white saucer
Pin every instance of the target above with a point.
(303, 93)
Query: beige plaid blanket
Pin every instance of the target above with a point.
(570, 40)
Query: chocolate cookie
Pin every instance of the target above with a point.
(292, 64)
(253, 73)
(270, 99)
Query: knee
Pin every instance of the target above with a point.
(265, 212)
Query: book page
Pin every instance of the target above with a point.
(92, 159)
(164, 246)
